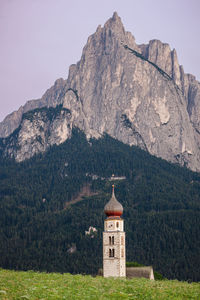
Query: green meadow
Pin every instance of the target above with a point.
(35, 285)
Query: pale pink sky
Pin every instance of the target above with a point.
(39, 39)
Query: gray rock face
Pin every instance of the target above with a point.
(38, 130)
(50, 98)
(167, 60)
(163, 57)
(137, 94)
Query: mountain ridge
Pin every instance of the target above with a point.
(147, 87)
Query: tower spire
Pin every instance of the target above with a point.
(113, 190)
(113, 208)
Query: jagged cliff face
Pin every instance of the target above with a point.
(51, 98)
(137, 94)
(38, 130)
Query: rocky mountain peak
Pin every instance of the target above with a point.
(137, 94)
(108, 37)
(115, 24)
(165, 58)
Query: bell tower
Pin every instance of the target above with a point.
(114, 250)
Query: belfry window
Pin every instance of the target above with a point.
(112, 240)
(111, 252)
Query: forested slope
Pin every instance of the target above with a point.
(160, 200)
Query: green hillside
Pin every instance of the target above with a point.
(38, 227)
(32, 285)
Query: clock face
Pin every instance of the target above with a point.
(110, 225)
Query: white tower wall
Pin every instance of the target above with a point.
(114, 250)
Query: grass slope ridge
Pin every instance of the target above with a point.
(38, 228)
(32, 285)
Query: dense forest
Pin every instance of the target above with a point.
(42, 228)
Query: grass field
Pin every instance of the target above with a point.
(35, 285)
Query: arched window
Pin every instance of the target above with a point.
(122, 240)
(112, 240)
(110, 252)
(113, 252)
(117, 224)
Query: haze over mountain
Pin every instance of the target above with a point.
(138, 94)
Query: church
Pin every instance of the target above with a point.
(114, 249)
(114, 245)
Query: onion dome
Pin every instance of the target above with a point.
(113, 208)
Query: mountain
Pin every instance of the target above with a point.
(49, 202)
(58, 153)
(137, 94)
(50, 98)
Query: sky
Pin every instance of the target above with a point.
(40, 39)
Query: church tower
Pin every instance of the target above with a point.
(114, 254)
